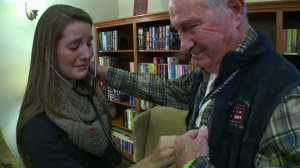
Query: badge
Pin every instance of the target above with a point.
(238, 112)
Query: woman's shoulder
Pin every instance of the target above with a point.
(39, 120)
(39, 126)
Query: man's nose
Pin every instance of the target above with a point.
(186, 42)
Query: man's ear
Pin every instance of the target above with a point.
(237, 9)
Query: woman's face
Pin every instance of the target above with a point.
(74, 50)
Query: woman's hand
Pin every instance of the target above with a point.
(163, 155)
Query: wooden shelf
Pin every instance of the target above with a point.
(117, 51)
(119, 123)
(157, 51)
(124, 103)
(128, 155)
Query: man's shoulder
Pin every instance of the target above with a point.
(294, 92)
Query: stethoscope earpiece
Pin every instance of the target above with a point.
(91, 91)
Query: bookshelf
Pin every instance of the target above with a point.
(273, 17)
(129, 49)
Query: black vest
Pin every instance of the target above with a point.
(243, 108)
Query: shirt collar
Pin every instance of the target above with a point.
(247, 40)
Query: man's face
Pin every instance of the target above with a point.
(204, 33)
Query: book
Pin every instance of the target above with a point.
(298, 42)
(294, 41)
(289, 40)
(132, 100)
(284, 40)
(171, 63)
(122, 140)
(141, 38)
(174, 40)
(104, 61)
(131, 67)
(156, 62)
(129, 115)
(167, 37)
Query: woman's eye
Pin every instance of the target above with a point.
(73, 48)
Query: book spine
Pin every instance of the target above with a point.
(289, 40)
(171, 61)
(294, 41)
(298, 41)
(167, 38)
(123, 141)
(284, 40)
(147, 39)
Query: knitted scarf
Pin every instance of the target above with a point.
(75, 115)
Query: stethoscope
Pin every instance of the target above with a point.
(88, 95)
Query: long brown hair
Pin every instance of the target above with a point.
(39, 92)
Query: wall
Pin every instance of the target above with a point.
(126, 6)
(16, 34)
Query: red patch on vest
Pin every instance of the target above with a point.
(91, 130)
(238, 114)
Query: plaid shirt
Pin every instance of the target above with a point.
(280, 145)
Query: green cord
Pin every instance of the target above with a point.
(188, 164)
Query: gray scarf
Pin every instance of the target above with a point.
(75, 115)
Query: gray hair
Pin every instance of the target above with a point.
(219, 5)
(216, 5)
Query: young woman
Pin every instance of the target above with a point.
(58, 127)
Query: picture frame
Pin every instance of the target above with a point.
(140, 7)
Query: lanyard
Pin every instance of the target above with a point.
(219, 88)
(211, 94)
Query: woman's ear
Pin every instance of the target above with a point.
(237, 9)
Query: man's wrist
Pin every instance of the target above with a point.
(101, 72)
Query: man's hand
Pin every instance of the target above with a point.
(101, 71)
(164, 155)
(191, 145)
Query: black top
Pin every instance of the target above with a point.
(48, 147)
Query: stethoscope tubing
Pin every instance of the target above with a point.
(88, 95)
(90, 98)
